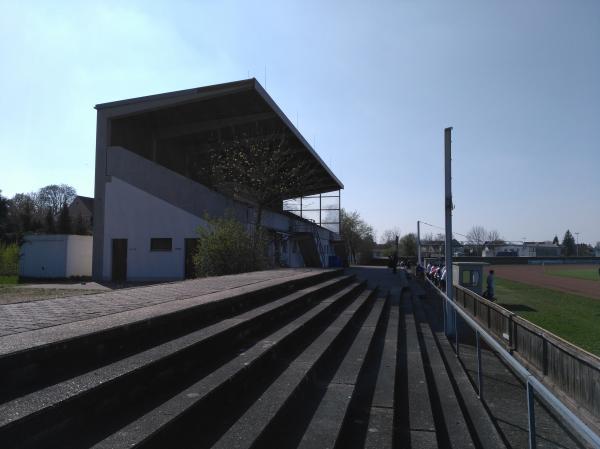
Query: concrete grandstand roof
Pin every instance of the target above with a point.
(247, 98)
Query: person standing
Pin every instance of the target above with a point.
(490, 285)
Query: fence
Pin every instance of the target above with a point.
(534, 386)
(573, 373)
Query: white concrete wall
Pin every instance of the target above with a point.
(56, 256)
(79, 255)
(135, 215)
(43, 256)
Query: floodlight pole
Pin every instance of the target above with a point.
(419, 242)
(450, 316)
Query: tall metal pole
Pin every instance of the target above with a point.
(450, 317)
(419, 242)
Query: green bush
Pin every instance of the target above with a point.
(9, 259)
(225, 247)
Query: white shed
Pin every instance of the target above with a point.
(56, 256)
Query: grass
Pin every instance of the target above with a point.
(572, 317)
(9, 280)
(12, 294)
(590, 274)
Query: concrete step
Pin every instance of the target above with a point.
(185, 416)
(325, 427)
(251, 430)
(451, 424)
(417, 427)
(380, 421)
(48, 413)
(482, 428)
(46, 357)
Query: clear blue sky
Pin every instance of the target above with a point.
(374, 85)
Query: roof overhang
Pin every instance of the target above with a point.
(247, 98)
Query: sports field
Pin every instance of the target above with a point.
(586, 272)
(563, 299)
(549, 276)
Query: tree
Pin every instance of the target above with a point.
(24, 216)
(64, 220)
(359, 236)
(3, 215)
(568, 244)
(49, 227)
(262, 169)
(493, 236)
(408, 245)
(555, 240)
(476, 237)
(427, 237)
(225, 247)
(54, 196)
(388, 236)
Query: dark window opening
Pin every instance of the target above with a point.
(161, 244)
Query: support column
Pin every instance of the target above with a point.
(419, 242)
(450, 317)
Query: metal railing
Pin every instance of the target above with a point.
(573, 372)
(534, 386)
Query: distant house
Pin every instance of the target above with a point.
(381, 251)
(432, 248)
(437, 248)
(540, 249)
(525, 249)
(507, 249)
(83, 205)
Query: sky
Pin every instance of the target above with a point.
(372, 85)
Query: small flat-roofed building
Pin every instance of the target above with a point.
(152, 192)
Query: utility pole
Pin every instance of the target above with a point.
(419, 242)
(450, 316)
(577, 243)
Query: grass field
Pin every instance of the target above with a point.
(588, 273)
(9, 280)
(572, 317)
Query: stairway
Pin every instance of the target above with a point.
(329, 363)
(309, 250)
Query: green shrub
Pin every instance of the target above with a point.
(9, 259)
(225, 247)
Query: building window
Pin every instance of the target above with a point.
(161, 244)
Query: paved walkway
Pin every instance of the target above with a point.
(381, 277)
(28, 316)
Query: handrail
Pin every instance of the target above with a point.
(567, 415)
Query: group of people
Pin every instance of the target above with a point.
(393, 263)
(436, 274)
